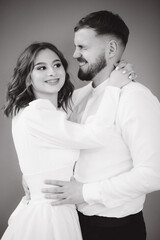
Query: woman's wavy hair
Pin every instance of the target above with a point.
(20, 92)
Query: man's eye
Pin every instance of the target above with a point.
(81, 47)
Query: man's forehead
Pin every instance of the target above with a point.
(86, 36)
(85, 32)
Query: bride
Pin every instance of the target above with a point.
(47, 144)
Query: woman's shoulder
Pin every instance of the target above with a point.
(40, 104)
(42, 109)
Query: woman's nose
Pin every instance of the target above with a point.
(52, 71)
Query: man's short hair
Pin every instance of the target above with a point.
(105, 22)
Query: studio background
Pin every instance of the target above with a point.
(23, 22)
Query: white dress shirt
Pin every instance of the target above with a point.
(118, 176)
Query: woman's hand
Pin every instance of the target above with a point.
(122, 75)
(26, 189)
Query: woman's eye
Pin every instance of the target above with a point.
(57, 65)
(41, 68)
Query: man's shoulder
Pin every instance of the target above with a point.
(134, 88)
(137, 95)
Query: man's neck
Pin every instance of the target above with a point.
(102, 76)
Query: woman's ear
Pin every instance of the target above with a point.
(112, 48)
(28, 81)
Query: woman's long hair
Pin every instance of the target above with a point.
(20, 92)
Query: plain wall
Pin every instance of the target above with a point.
(22, 22)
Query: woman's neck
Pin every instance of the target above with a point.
(52, 98)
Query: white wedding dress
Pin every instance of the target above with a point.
(48, 146)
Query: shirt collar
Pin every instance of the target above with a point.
(100, 88)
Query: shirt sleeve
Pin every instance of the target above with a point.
(139, 114)
(43, 120)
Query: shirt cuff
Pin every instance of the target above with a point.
(91, 193)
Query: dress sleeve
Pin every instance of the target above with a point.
(43, 120)
(139, 114)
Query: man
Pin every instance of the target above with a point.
(111, 182)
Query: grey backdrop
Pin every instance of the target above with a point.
(22, 22)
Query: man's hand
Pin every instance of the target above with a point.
(64, 192)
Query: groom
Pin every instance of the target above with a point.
(111, 182)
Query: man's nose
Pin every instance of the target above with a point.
(76, 54)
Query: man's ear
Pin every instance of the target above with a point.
(112, 48)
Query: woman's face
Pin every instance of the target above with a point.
(48, 75)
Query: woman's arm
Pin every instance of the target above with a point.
(43, 120)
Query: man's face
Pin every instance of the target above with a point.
(90, 53)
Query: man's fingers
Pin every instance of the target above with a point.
(55, 196)
(53, 190)
(55, 182)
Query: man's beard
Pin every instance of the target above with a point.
(93, 69)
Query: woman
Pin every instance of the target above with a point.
(38, 98)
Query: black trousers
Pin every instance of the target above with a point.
(103, 228)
